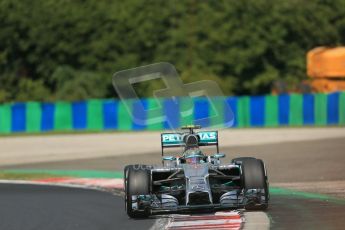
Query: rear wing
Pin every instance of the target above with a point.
(206, 138)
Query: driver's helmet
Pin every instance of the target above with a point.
(193, 156)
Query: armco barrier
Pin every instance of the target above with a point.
(254, 111)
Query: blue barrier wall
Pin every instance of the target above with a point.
(152, 114)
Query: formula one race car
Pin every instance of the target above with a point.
(194, 181)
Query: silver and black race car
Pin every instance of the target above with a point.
(194, 181)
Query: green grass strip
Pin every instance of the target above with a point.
(216, 112)
(155, 115)
(5, 118)
(124, 117)
(186, 111)
(65, 173)
(320, 109)
(305, 195)
(33, 117)
(342, 108)
(23, 176)
(243, 112)
(63, 116)
(95, 114)
(271, 111)
(296, 110)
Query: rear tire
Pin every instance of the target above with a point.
(136, 182)
(254, 177)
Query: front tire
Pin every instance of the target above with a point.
(254, 177)
(136, 182)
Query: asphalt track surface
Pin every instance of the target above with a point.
(33, 207)
(321, 160)
(63, 208)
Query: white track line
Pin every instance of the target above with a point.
(218, 220)
(256, 220)
(25, 182)
(104, 183)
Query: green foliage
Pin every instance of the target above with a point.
(33, 90)
(62, 49)
(78, 85)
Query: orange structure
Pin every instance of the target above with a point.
(326, 68)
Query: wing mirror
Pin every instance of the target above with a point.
(169, 158)
(219, 155)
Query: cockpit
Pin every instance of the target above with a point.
(194, 156)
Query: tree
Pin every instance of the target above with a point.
(243, 45)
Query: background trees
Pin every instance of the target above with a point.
(63, 49)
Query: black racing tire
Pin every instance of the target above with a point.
(137, 181)
(253, 177)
